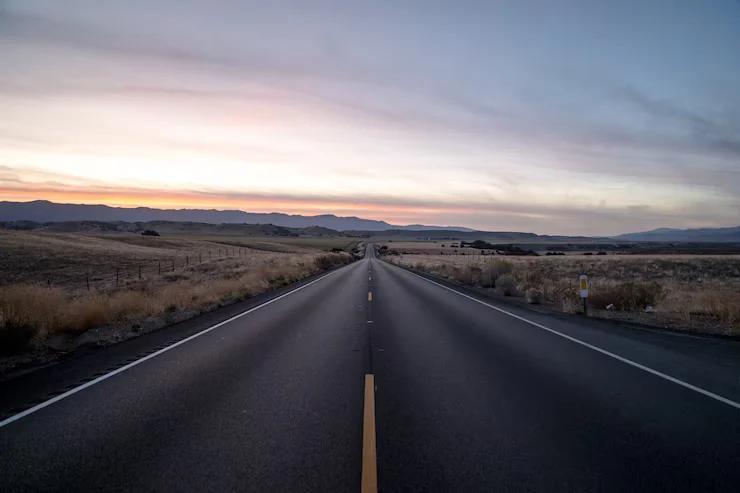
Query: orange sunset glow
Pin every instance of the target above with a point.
(104, 112)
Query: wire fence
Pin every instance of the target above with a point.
(131, 271)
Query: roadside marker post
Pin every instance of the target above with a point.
(583, 280)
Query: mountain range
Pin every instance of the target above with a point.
(44, 211)
(685, 235)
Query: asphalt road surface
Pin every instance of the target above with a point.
(467, 397)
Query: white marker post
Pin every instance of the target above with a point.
(583, 279)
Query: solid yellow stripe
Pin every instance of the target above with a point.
(369, 296)
(369, 451)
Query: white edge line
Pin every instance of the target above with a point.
(687, 385)
(101, 378)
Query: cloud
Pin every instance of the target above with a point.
(704, 131)
(487, 135)
(484, 214)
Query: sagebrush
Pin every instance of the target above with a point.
(691, 288)
(31, 312)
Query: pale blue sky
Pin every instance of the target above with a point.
(571, 117)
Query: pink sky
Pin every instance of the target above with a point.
(239, 107)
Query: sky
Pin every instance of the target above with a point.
(554, 117)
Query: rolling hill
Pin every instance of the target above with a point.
(42, 211)
(729, 235)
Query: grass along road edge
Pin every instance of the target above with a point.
(75, 390)
(627, 361)
(697, 294)
(38, 324)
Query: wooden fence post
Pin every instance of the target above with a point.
(87, 280)
(173, 264)
(139, 273)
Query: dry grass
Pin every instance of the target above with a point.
(65, 259)
(436, 247)
(32, 312)
(689, 290)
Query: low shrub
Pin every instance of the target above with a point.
(469, 275)
(571, 302)
(506, 285)
(277, 281)
(329, 260)
(628, 296)
(27, 312)
(720, 304)
(534, 296)
(493, 270)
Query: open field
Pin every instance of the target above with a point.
(321, 243)
(691, 292)
(565, 245)
(66, 284)
(69, 260)
(437, 247)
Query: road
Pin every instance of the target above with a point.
(469, 395)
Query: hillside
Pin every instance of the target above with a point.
(201, 228)
(42, 211)
(730, 235)
(166, 227)
(490, 236)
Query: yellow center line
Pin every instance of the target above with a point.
(369, 296)
(369, 451)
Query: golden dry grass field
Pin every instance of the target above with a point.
(52, 284)
(687, 291)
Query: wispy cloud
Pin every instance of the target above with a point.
(408, 119)
(484, 214)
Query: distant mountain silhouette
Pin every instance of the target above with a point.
(45, 211)
(686, 235)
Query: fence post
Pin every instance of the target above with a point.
(173, 264)
(187, 260)
(48, 283)
(209, 255)
(139, 273)
(117, 271)
(87, 280)
(159, 267)
(200, 259)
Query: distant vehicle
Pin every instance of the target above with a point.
(149, 232)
